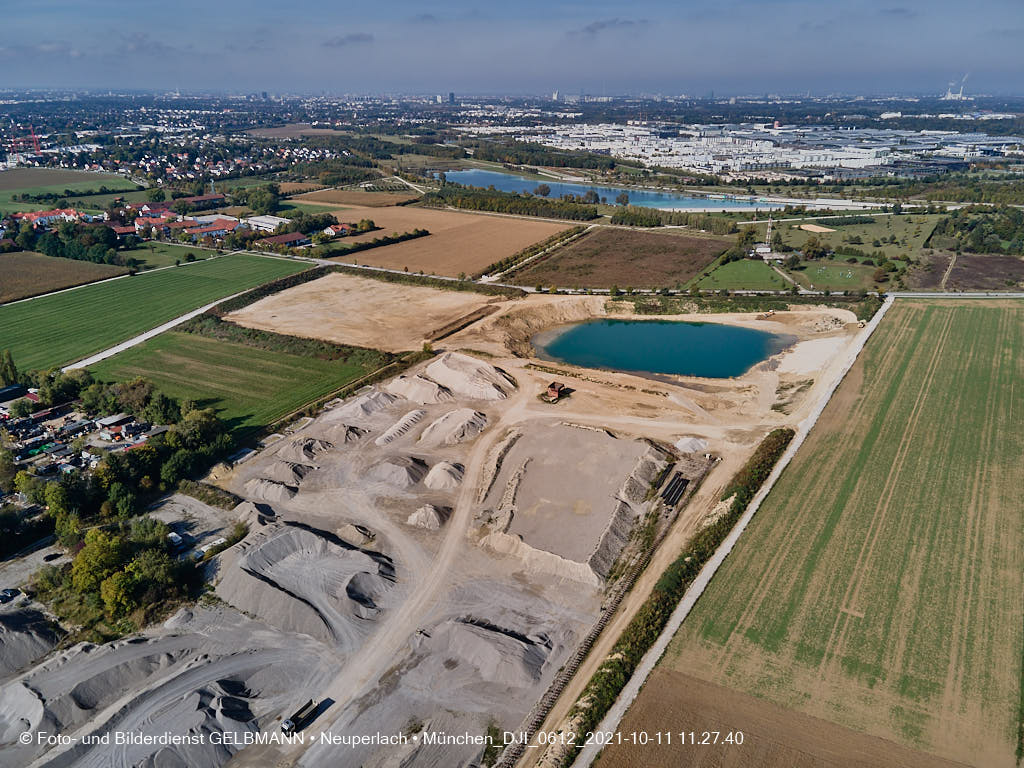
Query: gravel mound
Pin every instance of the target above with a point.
(498, 655)
(305, 449)
(692, 444)
(454, 427)
(302, 579)
(401, 427)
(25, 635)
(362, 406)
(343, 434)
(468, 377)
(270, 490)
(398, 471)
(287, 472)
(444, 476)
(420, 389)
(429, 517)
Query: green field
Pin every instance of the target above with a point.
(831, 275)
(745, 274)
(37, 181)
(59, 329)
(880, 584)
(154, 254)
(249, 388)
(910, 230)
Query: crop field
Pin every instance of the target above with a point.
(609, 257)
(36, 181)
(879, 586)
(31, 274)
(910, 230)
(248, 387)
(458, 242)
(59, 329)
(745, 274)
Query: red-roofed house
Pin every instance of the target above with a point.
(44, 218)
(217, 228)
(335, 230)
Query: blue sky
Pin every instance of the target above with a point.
(528, 46)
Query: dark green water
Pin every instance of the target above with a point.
(710, 350)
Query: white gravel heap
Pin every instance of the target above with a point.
(458, 426)
(444, 476)
(468, 377)
(420, 389)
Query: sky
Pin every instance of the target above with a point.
(731, 47)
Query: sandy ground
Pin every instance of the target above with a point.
(359, 311)
(815, 228)
(772, 737)
(459, 241)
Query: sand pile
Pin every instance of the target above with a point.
(444, 476)
(287, 472)
(302, 579)
(692, 445)
(304, 449)
(613, 541)
(468, 377)
(25, 635)
(420, 389)
(429, 517)
(398, 471)
(362, 406)
(343, 434)
(498, 655)
(270, 490)
(454, 427)
(400, 427)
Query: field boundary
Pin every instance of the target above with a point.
(611, 720)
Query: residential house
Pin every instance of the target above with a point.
(290, 240)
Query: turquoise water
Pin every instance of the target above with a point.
(507, 182)
(710, 350)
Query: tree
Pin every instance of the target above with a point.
(622, 199)
(8, 370)
(118, 593)
(122, 499)
(156, 195)
(100, 557)
(543, 190)
(792, 261)
(8, 469)
(21, 407)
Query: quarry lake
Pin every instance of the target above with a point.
(711, 350)
(507, 182)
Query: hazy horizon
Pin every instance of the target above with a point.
(731, 47)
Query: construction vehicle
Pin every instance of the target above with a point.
(300, 717)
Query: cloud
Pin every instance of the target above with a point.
(596, 28)
(353, 38)
(898, 12)
(425, 18)
(140, 42)
(46, 50)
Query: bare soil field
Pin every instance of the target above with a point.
(986, 272)
(26, 274)
(878, 586)
(971, 271)
(626, 258)
(360, 311)
(458, 242)
(675, 703)
(291, 187)
(356, 197)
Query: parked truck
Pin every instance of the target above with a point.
(299, 718)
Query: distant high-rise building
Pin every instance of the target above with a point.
(265, 96)
(439, 99)
(451, 97)
(554, 96)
